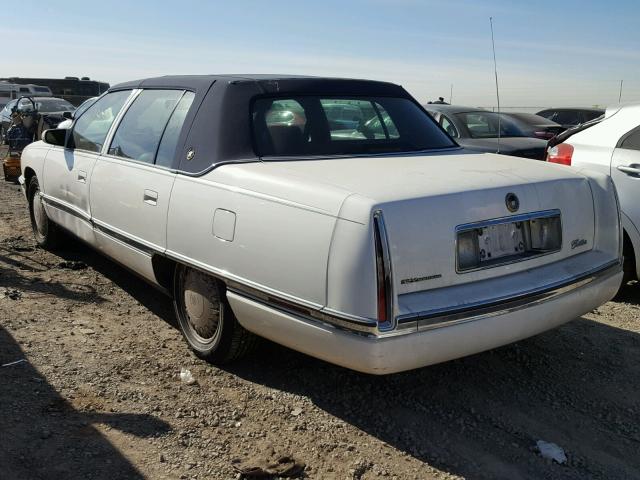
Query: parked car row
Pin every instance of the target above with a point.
(336, 217)
(483, 131)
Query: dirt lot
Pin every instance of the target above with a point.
(99, 395)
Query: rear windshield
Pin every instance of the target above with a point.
(532, 119)
(314, 125)
(485, 125)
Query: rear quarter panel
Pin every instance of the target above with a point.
(279, 244)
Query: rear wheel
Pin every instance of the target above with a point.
(205, 318)
(46, 232)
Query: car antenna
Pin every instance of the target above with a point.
(495, 71)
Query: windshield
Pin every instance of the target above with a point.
(485, 125)
(314, 125)
(54, 105)
(46, 105)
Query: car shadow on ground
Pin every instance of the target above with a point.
(44, 436)
(629, 293)
(17, 259)
(156, 302)
(477, 417)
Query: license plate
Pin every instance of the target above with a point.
(496, 242)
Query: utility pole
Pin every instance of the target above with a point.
(451, 94)
(620, 96)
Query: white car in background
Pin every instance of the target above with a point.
(611, 145)
(243, 198)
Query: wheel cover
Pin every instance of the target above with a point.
(201, 306)
(39, 215)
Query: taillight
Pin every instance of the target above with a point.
(383, 274)
(560, 153)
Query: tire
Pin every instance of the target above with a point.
(206, 319)
(46, 232)
(629, 269)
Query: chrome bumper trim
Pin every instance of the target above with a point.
(455, 315)
(412, 323)
(351, 323)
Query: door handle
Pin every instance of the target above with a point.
(150, 197)
(630, 170)
(82, 176)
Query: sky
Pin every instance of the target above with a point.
(549, 53)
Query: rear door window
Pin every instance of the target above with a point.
(138, 134)
(631, 141)
(90, 130)
(169, 142)
(448, 126)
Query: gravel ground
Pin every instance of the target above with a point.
(99, 395)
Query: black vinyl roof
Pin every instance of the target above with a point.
(218, 128)
(271, 84)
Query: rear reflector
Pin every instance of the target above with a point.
(560, 153)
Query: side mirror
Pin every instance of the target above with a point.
(56, 136)
(67, 115)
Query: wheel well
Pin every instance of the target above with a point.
(163, 269)
(629, 256)
(28, 174)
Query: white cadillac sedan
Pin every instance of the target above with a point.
(332, 216)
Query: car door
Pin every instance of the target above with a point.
(67, 170)
(625, 171)
(131, 183)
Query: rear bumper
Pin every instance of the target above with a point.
(408, 350)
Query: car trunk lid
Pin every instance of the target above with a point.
(425, 198)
